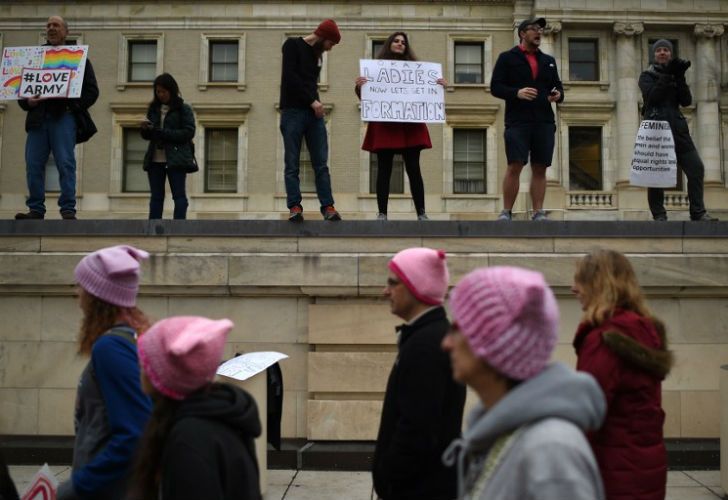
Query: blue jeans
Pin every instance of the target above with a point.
(57, 136)
(157, 173)
(297, 124)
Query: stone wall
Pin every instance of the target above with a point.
(314, 293)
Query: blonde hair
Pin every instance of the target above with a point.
(608, 282)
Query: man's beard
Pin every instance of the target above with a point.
(318, 47)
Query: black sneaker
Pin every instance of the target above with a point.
(706, 218)
(660, 217)
(295, 213)
(32, 214)
(68, 215)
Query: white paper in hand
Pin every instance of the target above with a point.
(43, 486)
(246, 365)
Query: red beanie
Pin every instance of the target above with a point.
(328, 30)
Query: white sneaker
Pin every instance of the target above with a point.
(505, 215)
(423, 216)
(539, 215)
(381, 216)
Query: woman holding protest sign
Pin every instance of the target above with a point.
(664, 90)
(169, 127)
(387, 139)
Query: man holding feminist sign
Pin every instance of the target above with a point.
(51, 127)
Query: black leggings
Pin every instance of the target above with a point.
(411, 157)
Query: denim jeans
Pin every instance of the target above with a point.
(692, 165)
(157, 173)
(59, 137)
(297, 124)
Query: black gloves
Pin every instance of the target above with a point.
(678, 67)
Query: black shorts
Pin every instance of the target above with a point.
(536, 138)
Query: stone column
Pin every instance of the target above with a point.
(628, 95)
(706, 130)
(548, 46)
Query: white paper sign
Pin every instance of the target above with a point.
(19, 60)
(246, 365)
(401, 91)
(43, 486)
(654, 163)
(44, 83)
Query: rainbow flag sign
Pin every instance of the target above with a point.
(31, 71)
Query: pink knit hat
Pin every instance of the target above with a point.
(181, 354)
(510, 318)
(424, 272)
(112, 274)
(328, 30)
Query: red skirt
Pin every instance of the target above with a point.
(394, 135)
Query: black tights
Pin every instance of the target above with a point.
(411, 157)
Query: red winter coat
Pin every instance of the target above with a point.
(628, 356)
(394, 135)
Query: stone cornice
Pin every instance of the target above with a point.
(552, 28)
(709, 30)
(628, 29)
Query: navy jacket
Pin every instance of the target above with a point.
(512, 73)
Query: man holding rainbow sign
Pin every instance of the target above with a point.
(56, 86)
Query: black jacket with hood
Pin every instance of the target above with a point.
(210, 453)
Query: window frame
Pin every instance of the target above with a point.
(125, 39)
(205, 170)
(601, 155)
(603, 54)
(487, 44)
(595, 63)
(484, 133)
(206, 55)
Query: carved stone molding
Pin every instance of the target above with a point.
(709, 30)
(553, 28)
(628, 29)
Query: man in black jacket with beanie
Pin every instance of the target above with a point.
(423, 405)
(51, 127)
(527, 79)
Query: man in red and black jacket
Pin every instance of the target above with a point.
(527, 79)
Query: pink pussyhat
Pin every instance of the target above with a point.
(509, 317)
(424, 272)
(112, 274)
(181, 354)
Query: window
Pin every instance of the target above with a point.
(52, 180)
(583, 59)
(585, 158)
(376, 47)
(223, 61)
(468, 62)
(306, 174)
(221, 160)
(469, 161)
(134, 149)
(142, 60)
(396, 182)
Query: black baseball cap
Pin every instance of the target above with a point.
(528, 22)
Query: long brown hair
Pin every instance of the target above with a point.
(99, 316)
(386, 51)
(608, 282)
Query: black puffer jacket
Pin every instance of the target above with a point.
(663, 94)
(210, 453)
(176, 136)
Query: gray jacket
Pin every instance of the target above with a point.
(548, 457)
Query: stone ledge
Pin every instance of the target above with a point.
(358, 228)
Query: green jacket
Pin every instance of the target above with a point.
(176, 137)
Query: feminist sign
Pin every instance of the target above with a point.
(401, 91)
(654, 163)
(48, 71)
(44, 83)
(43, 486)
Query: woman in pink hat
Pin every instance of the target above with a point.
(199, 441)
(624, 347)
(111, 409)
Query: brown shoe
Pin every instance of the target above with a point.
(32, 214)
(68, 215)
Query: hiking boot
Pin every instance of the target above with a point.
(706, 218)
(295, 213)
(422, 216)
(330, 213)
(68, 215)
(32, 214)
(505, 215)
(539, 215)
(381, 216)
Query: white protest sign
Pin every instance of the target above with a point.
(17, 63)
(401, 91)
(246, 365)
(43, 486)
(44, 83)
(654, 163)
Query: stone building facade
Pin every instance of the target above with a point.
(226, 56)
